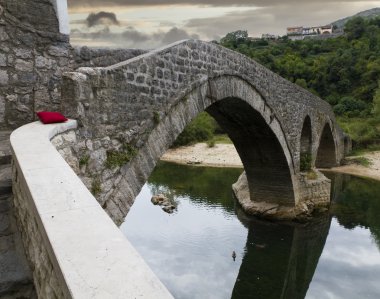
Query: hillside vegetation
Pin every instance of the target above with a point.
(367, 14)
(344, 71)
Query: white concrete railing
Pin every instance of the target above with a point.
(75, 249)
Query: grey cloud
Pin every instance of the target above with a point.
(130, 38)
(260, 3)
(176, 34)
(102, 18)
(135, 36)
(270, 19)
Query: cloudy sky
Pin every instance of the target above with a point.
(153, 23)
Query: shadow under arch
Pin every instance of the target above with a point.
(264, 161)
(306, 142)
(251, 125)
(326, 154)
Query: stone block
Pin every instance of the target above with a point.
(4, 78)
(3, 35)
(23, 53)
(23, 65)
(3, 60)
(58, 51)
(43, 62)
(2, 109)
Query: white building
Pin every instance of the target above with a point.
(299, 33)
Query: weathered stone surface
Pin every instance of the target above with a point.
(15, 275)
(23, 65)
(4, 78)
(45, 278)
(3, 60)
(2, 109)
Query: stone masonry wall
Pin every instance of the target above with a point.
(33, 57)
(45, 276)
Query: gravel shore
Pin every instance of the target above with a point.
(225, 155)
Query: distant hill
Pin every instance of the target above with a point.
(367, 14)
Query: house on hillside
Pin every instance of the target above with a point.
(300, 32)
(268, 36)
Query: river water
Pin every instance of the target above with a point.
(335, 256)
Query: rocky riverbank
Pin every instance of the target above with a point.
(225, 155)
(200, 154)
(371, 171)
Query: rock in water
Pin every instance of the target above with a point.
(164, 202)
(159, 199)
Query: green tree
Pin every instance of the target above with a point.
(344, 71)
(376, 103)
(233, 39)
(355, 28)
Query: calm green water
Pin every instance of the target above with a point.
(335, 256)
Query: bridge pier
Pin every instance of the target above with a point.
(312, 194)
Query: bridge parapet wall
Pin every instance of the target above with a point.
(74, 248)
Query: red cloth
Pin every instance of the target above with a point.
(47, 117)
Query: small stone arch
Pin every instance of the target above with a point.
(306, 141)
(326, 154)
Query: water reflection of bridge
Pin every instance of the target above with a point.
(280, 260)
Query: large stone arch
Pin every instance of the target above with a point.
(327, 150)
(249, 121)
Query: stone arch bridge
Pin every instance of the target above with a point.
(136, 109)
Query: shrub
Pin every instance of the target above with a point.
(311, 175)
(84, 160)
(211, 142)
(96, 187)
(121, 157)
(362, 131)
(202, 128)
(305, 162)
(350, 106)
(363, 161)
(156, 117)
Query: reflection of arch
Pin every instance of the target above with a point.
(294, 249)
(305, 144)
(251, 125)
(326, 156)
